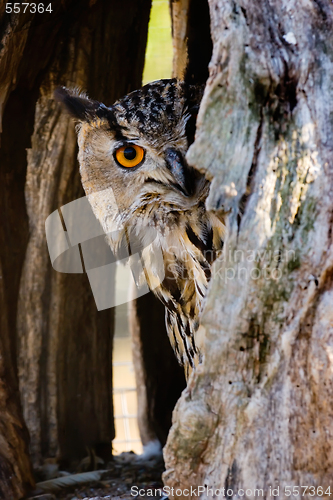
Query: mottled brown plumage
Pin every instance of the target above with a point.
(161, 196)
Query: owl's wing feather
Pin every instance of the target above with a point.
(181, 329)
(184, 287)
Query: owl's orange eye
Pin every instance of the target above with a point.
(129, 156)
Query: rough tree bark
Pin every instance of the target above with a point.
(258, 411)
(15, 468)
(63, 343)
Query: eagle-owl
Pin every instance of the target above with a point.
(137, 148)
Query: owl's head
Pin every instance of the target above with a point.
(137, 146)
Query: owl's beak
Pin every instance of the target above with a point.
(181, 172)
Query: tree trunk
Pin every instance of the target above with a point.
(257, 412)
(159, 378)
(192, 44)
(15, 467)
(64, 348)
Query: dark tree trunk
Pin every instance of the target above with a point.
(160, 379)
(192, 43)
(50, 323)
(15, 468)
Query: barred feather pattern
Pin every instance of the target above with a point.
(189, 240)
(163, 196)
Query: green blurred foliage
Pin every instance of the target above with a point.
(158, 63)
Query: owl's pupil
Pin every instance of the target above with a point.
(129, 153)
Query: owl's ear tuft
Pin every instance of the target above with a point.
(78, 105)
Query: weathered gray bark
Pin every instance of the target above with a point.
(64, 349)
(257, 412)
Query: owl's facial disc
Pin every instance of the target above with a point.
(146, 133)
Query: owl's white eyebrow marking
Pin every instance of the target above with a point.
(126, 142)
